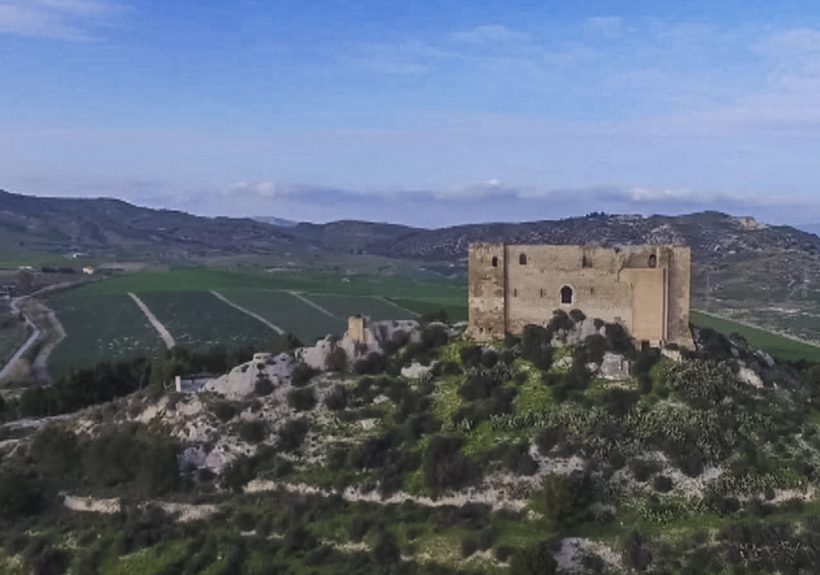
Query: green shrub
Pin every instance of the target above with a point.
(263, 386)
(302, 374)
(224, 411)
(301, 399)
(292, 434)
(251, 431)
(336, 360)
(337, 397)
(535, 560)
(445, 467)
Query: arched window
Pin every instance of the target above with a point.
(522, 259)
(566, 295)
(495, 261)
(653, 261)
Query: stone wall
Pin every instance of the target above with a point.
(645, 288)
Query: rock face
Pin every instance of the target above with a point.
(241, 381)
(614, 367)
(362, 338)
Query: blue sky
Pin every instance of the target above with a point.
(428, 113)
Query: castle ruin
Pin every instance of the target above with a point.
(644, 288)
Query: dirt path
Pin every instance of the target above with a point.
(166, 336)
(489, 496)
(55, 333)
(246, 311)
(8, 369)
(397, 306)
(312, 304)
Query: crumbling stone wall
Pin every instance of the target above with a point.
(645, 288)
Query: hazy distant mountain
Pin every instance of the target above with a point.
(274, 221)
(811, 228)
(103, 225)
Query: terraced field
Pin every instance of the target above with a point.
(103, 327)
(199, 320)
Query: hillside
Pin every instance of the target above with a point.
(564, 451)
(109, 227)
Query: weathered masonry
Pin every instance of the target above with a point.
(644, 288)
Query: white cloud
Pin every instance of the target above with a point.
(73, 20)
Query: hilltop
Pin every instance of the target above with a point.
(422, 452)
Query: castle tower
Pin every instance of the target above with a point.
(487, 292)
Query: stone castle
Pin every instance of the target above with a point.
(644, 288)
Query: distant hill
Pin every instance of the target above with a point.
(112, 226)
(274, 221)
(769, 274)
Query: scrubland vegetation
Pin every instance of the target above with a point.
(513, 457)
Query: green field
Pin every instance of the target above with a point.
(103, 327)
(286, 311)
(198, 320)
(181, 300)
(346, 305)
(776, 345)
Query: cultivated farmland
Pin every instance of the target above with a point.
(102, 327)
(199, 320)
(780, 347)
(347, 305)
(103, 323)
(287, 311)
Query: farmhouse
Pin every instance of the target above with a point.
(644, 288)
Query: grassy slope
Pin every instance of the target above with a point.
(778, 346)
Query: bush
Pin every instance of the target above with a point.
(618, 339)
(54, 451)
(263, 386)
(237, 473)
(469, 545)
(19, 495)
(662, 484)
(224, 411)
(517, 460)
(336, 399)
(535, 560)
(292, 434)
(548, 438)
(251, 431)
(301, 399)
(560, 321)
(535, 346)
(643, 469)
(562, 497)
(302, 374)
(386, 551)
(577, 315)
(445, 467)
(336, 360)
(370, 365)
(470, 356)
(635, 554)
